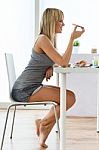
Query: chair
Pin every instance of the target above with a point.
(11, 79)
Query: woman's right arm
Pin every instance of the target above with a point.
(45, 44)
(75, 34)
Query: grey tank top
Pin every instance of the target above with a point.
(35, 71)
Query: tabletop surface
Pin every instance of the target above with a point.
(76, 70)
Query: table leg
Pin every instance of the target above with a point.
(62, 111)
(98, 104)
(57, 84)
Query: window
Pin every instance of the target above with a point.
(17, 19)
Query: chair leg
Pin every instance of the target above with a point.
(13, 122)
(57, 121)
(6, 121)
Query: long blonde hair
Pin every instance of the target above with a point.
(48, 21)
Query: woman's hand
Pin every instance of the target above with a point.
(77, 33)
(49, 73)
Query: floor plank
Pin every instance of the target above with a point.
(80, 134)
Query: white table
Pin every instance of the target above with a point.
(61, 80)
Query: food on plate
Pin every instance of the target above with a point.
(81, 63)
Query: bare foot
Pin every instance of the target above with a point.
(37, 123)
(44, 145)
(44, 131)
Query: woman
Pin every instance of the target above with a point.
(28, 87)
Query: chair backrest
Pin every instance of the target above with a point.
(10, 70)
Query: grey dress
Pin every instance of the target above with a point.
(32, 76)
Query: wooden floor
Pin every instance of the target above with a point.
(81, 132)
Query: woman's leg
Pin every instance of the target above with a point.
(52, 93)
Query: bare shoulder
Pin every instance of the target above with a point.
(40, 43)
(43, 38)
(43, 44)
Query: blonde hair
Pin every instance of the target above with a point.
(47, 25)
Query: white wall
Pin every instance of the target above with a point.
(17, 24)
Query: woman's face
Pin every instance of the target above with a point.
(59, 25)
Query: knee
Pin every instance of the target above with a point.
(72, 97)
